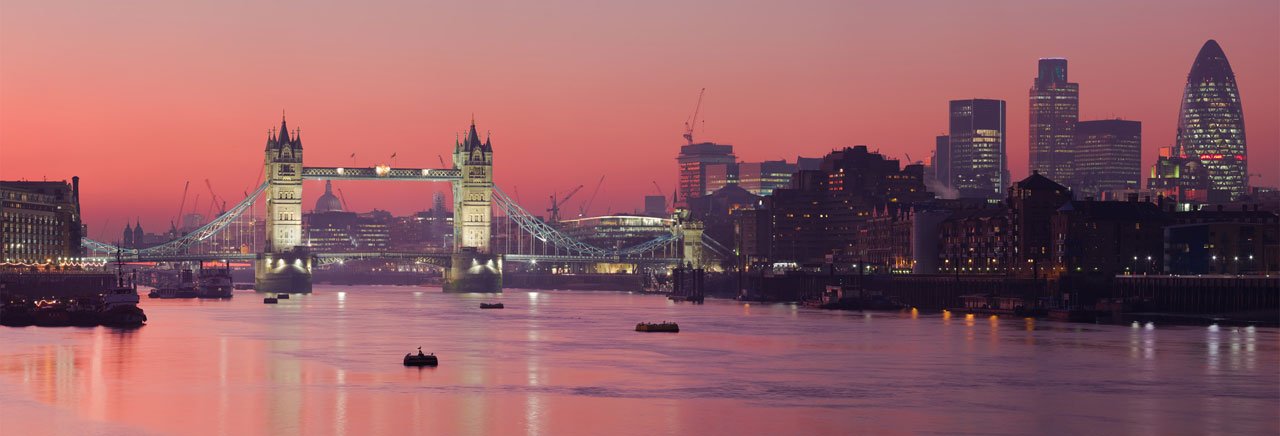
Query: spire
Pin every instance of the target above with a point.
(284, 130)
(328, 187)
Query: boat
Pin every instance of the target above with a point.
(421, 359)
(214, 282)
(243, 286)
(52, 313)
(17, 312)
(282, 296)
(270, 300)
(661, 327)
(491, 305)
(186, 288)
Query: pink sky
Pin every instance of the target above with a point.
(137, 97)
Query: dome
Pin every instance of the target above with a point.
(328, 202)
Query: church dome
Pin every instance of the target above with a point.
(328, 202)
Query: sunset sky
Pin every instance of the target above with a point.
(136, 97)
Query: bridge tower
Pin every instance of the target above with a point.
(285, 264)
(474, 268)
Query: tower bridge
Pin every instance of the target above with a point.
(284, 262)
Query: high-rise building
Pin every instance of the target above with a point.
(720, 175)
(941, 165)
(693, 160)
(1211, 123)
(1178, 176)
(1109, 156)
(1055, 110)
(655, 206)
(761, 178)
(979, 166)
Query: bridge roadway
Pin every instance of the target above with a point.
(440, 258)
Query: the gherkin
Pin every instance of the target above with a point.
(1211, 123)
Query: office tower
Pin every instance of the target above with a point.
(1055, 111)
(1211, 123)
(761, 178)
(1109, 156)
(693, 160)
(979, 167)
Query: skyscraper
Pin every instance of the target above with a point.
(693, 160)
(979, 167)
(1211, 123)
(1055, 110)
(1108, 156)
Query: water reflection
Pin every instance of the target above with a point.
(570, 363)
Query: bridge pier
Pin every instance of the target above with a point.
(288, 272)
(471, 271)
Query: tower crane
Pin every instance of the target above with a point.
(222, 206)
(181, 206)
(582, 211)
(689, 125)
(344, 200)
(555, 204)
(659, 188)
(442, 164)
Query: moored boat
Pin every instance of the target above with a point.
(491, 305)
(660, 327)
(270, 300)
(214, 283)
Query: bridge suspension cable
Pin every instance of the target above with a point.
(179, 245)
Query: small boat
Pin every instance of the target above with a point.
(270, 300)
(282, 296)
(491, 305)
(243, 286)
(663, 327)
(421, 359)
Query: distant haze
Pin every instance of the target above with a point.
(136, 97)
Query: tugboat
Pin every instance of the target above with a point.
(491, 305)
(119, 306)
(421, 359)
(215, 282)
(659, 327)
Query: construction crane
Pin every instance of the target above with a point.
(659, 188)
(221, 207)
(555, 204)
(181, 206)
(582, 211)
(442, 164)
(689, 125)
(344, 200)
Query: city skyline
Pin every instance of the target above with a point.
(562, 117)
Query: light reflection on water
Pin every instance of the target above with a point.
(555, 363)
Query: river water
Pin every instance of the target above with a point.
(569, 363)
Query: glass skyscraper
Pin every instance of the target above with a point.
(1055, 111)
(979, 167)
(1108, 157)
(1211, 123)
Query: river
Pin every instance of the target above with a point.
(570, 363)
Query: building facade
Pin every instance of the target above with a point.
(1108, 157)
(979, 166)
(761, 178)
(1211, 123)
(40, 221)
(693, 161)
(1055, 110)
